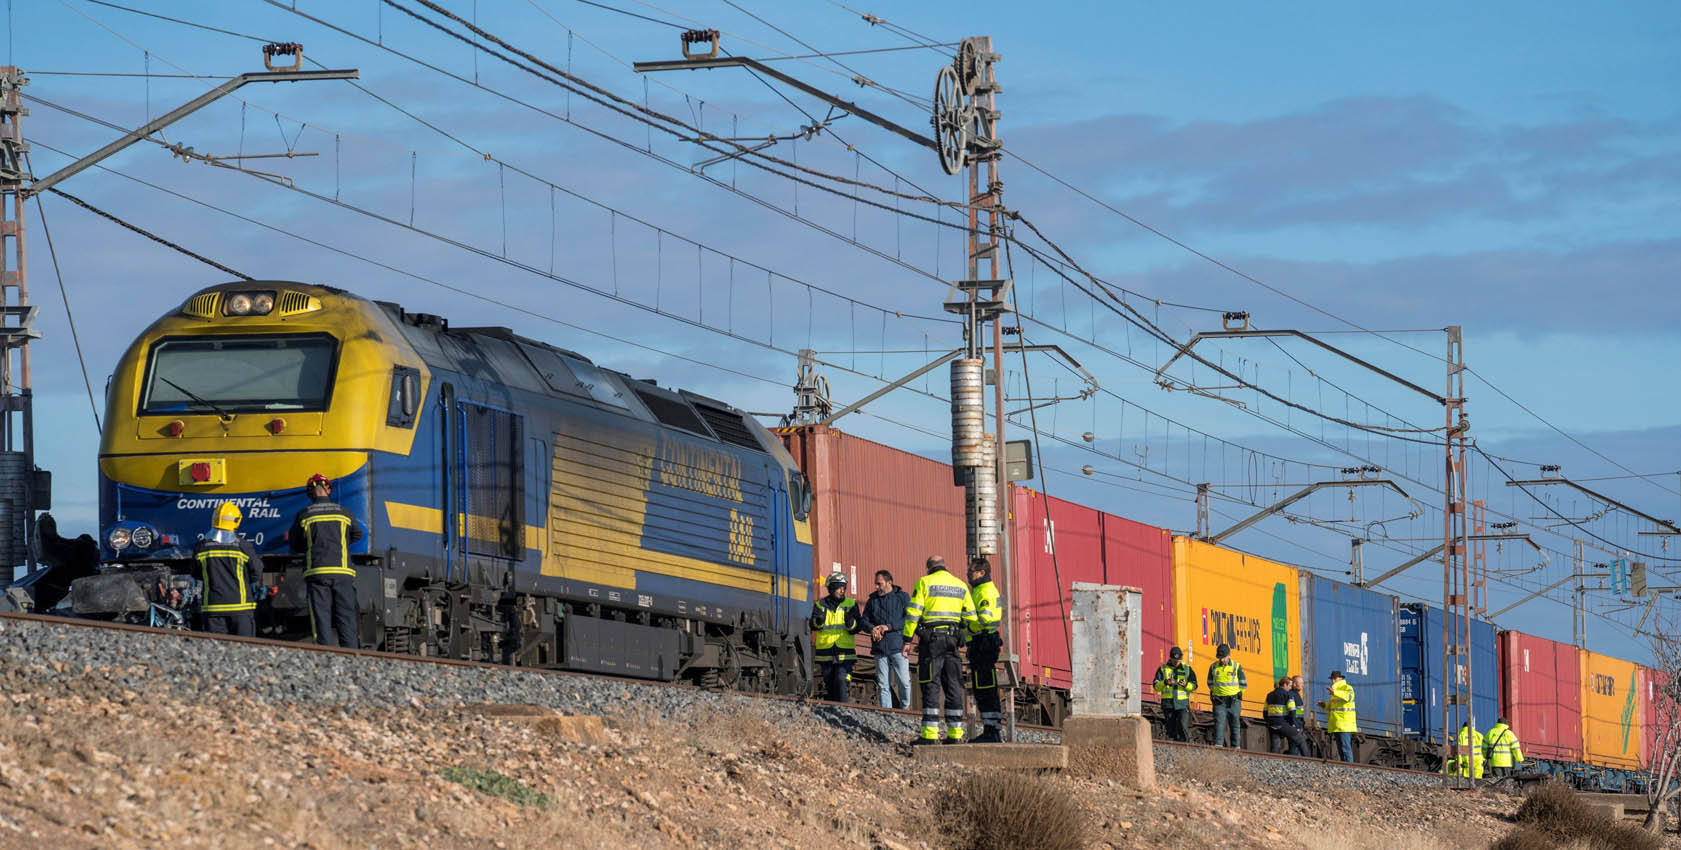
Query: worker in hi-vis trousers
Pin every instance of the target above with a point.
(984, 643)
(939, 616)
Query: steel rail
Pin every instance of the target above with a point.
(379, 655)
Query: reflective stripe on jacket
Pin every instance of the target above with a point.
(227, 570)
(324, 532)
(1175, 682)
(1502, 746)
(1226, 679)
(989, 613)
(940, 599)
(1281, 706)
(1339, 709)
(1470, 750)
(834, 624)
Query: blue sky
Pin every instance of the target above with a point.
(1508, 168)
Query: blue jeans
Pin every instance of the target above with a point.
(897, 693)
(1345, 745)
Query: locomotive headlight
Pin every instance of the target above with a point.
(261, 303)
(143, 537)
(238, 304)
(118, 538)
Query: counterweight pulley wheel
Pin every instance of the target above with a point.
(968, 66)
(951, 124)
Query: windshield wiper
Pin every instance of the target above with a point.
(226, 416)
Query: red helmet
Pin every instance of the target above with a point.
(319, 479)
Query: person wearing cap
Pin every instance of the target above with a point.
(324, 533)
(1175, 681)
(940, 613)
(884, 617)
(1504, 754)
(834, 618)
(1281, 711)
(228, 566)
(984, 642)
(1339, 715)
(1226, 683)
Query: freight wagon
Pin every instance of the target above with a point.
(1612, 733)
(1421, 674)
(1541, 689)
(1354, 630)
(1057, 543)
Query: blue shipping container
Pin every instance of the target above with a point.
(1421, 673)
(1353, 630)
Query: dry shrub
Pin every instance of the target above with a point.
(1211, 768)
(1554, 818)
(1008, 811)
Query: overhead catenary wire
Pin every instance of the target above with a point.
(1356, 326)
(69, 314)
(146, 233)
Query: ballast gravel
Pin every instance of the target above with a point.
(281, 675)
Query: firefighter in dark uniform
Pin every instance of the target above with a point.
(984, 644)
(324, 532)
(1281, 720)
(939, 615)
(228, 566)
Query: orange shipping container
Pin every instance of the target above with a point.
(1220, 596)
(1611, 711)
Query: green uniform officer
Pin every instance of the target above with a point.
(1174, 682)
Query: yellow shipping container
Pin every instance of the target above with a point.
(1612, 729)
(1250, 603)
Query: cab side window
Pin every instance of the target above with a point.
(405, 400)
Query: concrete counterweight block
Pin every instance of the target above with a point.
(1115, 748)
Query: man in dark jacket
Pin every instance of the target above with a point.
(324, 532)
(228, 566)
(1281, 720)
(884, 616)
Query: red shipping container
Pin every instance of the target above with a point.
(1141, 556)
(874, 507)
(1541, 695)
(1050, 557)
(1656, 712)
(1090, 546)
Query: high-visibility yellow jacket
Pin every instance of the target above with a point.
(835, 622)
(1339, 709)
(1175, 682)
(1470, 751)
(1226, 679)
(940, 599)
(1502, 746)
(988, 612)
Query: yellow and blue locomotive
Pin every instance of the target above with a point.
(521, 504)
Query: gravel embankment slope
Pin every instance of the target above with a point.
(115, 739)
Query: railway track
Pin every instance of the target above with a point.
(481, 670)
(318, 674)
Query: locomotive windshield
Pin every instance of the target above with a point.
(232, 374)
